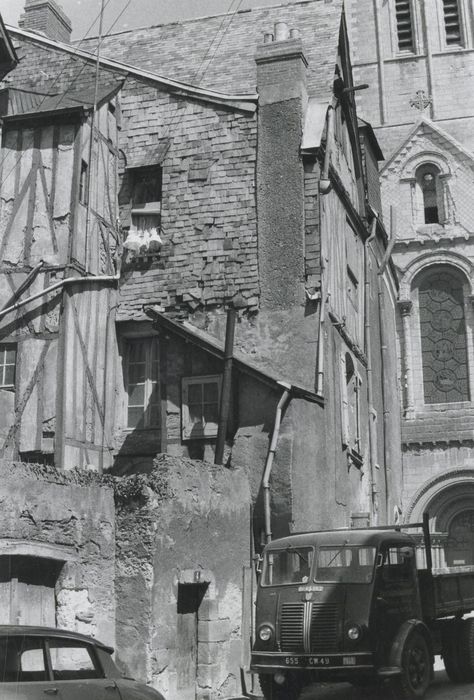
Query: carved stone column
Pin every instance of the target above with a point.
(405, 307)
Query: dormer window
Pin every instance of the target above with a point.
(427, 177)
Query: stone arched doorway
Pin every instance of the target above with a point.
(449, 500)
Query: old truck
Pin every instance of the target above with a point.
(354, 605)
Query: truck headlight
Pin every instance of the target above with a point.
(354, 632)
(265, 633)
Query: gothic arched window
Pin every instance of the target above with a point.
(427, 177)
(443, 336)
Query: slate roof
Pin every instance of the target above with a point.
(218, 52)
(16, 102)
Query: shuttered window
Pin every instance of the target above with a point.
(404, 16)
(452, 22)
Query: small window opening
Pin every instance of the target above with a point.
(452, 23)
(428, 180)
(7, 365)
(404, 17)
(83, 183)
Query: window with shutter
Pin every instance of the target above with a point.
(404, 17)
(452, 22)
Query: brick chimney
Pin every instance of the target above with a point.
(281, 86)
(48, 17)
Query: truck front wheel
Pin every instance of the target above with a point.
(290, 689)
(416, 669)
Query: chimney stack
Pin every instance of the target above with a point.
(282, 98)
(47, 17)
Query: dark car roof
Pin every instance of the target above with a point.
(366, 537)
(32, 631)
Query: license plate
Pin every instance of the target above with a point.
(307, 661)
(319, 661)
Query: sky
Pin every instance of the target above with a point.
(121, 15)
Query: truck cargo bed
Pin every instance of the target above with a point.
(447, 591)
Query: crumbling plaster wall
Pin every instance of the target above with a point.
(44, 506)
(187, 521)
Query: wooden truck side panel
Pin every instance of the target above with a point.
(447, 592)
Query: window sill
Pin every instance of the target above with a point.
(404, 57)
(128, 431)
(199, 436)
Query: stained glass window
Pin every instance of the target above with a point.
(443, 337)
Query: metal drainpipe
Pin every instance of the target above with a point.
(384, 346)
(370, 389)
(325, 185)
(269, 463)
(57, 285)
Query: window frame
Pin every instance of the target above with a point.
(452, 46)
(150, 343)
(351, 440)
(188, 429)
(4, 347)
(151, 207)
(414, 30)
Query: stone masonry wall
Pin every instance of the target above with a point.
(184, 524)
(43, 508)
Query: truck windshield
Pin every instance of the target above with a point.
(344, 564)
(290, 565)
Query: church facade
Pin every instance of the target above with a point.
(418, 59)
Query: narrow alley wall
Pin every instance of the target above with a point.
(182, 542)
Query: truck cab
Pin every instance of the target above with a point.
(339, 605)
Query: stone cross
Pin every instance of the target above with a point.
(421, 101)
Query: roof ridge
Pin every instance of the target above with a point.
(188, 20)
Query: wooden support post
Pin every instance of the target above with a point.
(224, 408)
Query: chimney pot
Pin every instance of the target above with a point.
(268, 38)
(281, 31)
(295, 34)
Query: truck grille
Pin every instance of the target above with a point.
(308, 627)
(292, 627)
(323, 636)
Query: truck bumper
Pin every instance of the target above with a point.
(267, 662)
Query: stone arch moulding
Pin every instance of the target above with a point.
(431, 259)
(425, 158)
(443, 496)
(41, 550)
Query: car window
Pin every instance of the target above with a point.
(107, 663)
(72, 660)
(22, 660)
